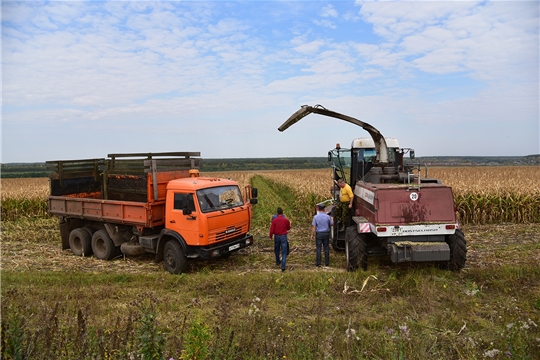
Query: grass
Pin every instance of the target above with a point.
(58, 306)
(399, 313)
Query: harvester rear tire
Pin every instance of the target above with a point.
(174, 258)
(458, 250)
(352, 248)
(102, 246)
(80, 242)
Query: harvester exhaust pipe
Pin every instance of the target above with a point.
(378, 139)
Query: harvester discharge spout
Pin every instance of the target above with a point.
(378, 139)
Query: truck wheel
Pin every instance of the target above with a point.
(458, 250)
(80, 242)
(103, 246)
(352, 247)
(174, 258)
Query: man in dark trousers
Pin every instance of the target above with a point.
(320, 230)
(278, 229)
(346, 197)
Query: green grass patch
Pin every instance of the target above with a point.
(302, 314)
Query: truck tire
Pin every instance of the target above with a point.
(80, 242)
(102, 246)
(352, 248)
(174, 258)
(458, 250)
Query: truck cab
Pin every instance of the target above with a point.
(207, 214)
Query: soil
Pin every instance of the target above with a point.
(487, 245)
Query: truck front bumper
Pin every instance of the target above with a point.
(225, 248)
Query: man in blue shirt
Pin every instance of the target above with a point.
(320, 230)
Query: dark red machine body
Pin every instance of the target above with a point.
(395, 211)
(392, 205)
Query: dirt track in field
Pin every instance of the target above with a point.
(38, 249)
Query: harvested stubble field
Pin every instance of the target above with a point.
(58, 306)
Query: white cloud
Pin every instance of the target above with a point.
(325, 23)
(310, 47)
(111, 73)
(447, 37)
(329, 11)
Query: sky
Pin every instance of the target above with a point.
(84, 79)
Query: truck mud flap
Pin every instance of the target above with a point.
(64, 233)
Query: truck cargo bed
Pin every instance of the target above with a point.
(127, 177)
(122, 212)
(123, 189)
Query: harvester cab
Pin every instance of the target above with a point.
(355, 164)
(395, 211)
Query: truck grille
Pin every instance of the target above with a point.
(229, 233)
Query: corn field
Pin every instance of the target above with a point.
(490, 195)
(482, 195)
(22, 198)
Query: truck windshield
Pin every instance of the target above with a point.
(219, 198)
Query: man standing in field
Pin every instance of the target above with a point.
(278, 229)
(346, 197)
(320, 230)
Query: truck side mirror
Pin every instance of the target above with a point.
(190, 206)
(412, 154)
(253, 201)
(254, 192)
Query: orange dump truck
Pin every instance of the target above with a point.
(154, 203)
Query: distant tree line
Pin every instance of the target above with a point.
(23, 170)
(30, 170)
(264, 164)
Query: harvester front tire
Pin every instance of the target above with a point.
(102, 246)
(334, 233)
(80, 242)
(174, 258)
(352, 248)
(458, 250)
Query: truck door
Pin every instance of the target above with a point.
(183, 217)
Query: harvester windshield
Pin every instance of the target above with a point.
(340, 160)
